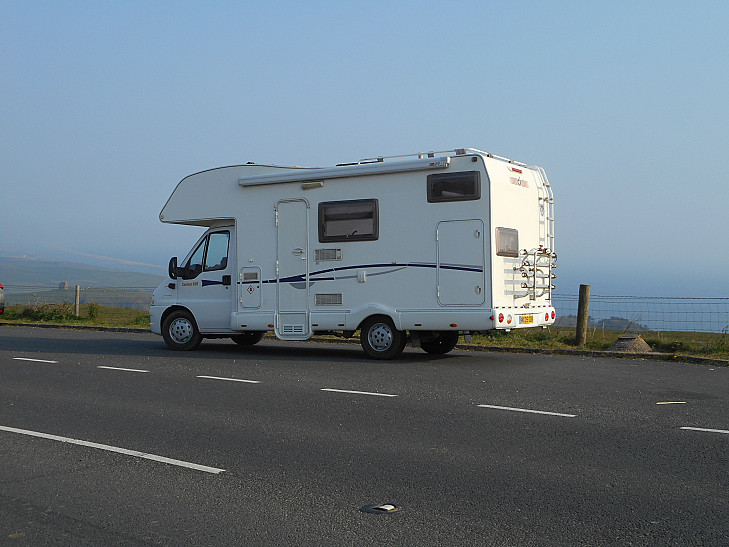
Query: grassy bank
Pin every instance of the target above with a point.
(698, 344)
(90, 315)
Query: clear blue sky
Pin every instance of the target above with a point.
(105, 106)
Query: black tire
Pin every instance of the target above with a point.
(180, 331)
(380, 339)
(248, 338)
(441, 343)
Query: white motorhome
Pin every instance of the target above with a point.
(433, 244)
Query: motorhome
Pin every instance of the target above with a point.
(418, 248)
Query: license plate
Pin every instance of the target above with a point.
(526, 319)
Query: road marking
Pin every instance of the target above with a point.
(116, 449)
(33, 360)
(359, 392)
(672, 403)
(529, 411)
(231, 379)
(124, 369)
(725, 432)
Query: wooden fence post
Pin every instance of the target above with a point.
(77, 307)
(583, 310)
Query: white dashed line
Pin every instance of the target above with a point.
(230, 379)
(359, 392)
(33, 360)
(124, 369)
(115, 449)
(725, 432)
(529, 411)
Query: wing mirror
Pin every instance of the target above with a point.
(172, 270)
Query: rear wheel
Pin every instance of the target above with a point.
(380, 339)
(248, 338)
(180, 331)
(441, 343)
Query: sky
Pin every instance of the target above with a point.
(105, 106)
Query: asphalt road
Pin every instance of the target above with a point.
(285, 443)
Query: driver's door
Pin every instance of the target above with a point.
(206, 284)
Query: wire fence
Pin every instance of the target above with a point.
(138, 298)
(645, 313)
(623, 313)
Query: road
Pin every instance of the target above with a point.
(109, 438)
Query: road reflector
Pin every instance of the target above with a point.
(381, 509)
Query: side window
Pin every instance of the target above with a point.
(210, 255)
(354, 220)
(194, 265)
(217, 256)
(507, 242)
(463, 186)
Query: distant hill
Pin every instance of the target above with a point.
(611, 323)
(38, 273)
(28, 280)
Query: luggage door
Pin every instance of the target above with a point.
(460, 268)
(293, 316)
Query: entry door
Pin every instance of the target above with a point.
(460, 268)
(292, 270)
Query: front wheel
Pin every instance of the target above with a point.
(180, 331)
(380, 339)
(248, 338)
(441, 343)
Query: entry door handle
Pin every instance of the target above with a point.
(226, 280)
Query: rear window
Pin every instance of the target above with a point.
(507, 242)
(462, 186)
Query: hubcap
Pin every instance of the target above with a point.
(380, 337)
(181, 331)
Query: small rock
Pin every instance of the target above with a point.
(630, 343)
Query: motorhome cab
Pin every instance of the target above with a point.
(433, 245)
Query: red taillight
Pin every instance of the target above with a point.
(553, 314)
(501, 318)
(546, 316)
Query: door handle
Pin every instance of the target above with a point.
(298, 251)
(226, 280)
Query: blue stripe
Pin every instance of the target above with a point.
(302, 277)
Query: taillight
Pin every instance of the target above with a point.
(546, 316)
(501, 318)
(553, 314)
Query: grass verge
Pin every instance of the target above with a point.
(698, 344)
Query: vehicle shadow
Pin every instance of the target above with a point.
(143, 345)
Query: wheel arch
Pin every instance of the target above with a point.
(173, 309)
(359, 315)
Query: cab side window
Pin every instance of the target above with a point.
(194, 265)
(211, 255)
(217, 256)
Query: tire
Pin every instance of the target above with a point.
(180, 331)
(380, 339)
(248, 338)
(441, 343)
